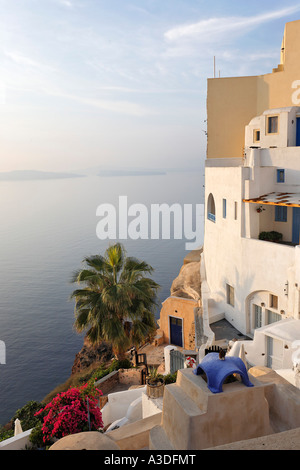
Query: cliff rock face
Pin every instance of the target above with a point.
(90, 354)
(188, 283)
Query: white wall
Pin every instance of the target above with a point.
(247, 264)
(286, 136)
(118, 403)
(284, 332)
(17, 442)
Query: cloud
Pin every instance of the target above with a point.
(25, 61)
(20, 59)
(66, 3)
(214, 29)
(120, 107)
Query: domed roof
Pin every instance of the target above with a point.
(217, 370)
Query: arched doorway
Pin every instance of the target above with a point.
(263, 308)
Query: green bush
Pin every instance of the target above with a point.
(272, 236)
(26, 415)
(36, 437)
(5, 433)
(121, 364)
(27, 418)
(170, 378)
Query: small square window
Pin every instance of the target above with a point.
(273, 301)
(230, 295)
(280, 176)
(256, 135)
(272, 125)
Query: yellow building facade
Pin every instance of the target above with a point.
(233, 102)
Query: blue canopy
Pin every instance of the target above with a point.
(217, 370)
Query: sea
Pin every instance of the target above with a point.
(47, 228)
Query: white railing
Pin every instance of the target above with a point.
(18, 442)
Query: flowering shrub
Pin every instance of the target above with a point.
(67, 413)
(190, 362)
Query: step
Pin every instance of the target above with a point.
(180, 412)
(194, 387)
(175, 395)
(158, 439)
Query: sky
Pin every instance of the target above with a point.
(120, 83)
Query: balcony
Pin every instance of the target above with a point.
(275, 217)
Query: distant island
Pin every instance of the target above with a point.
(25, 175)
(130, 172)
(116, 170)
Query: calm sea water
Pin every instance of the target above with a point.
(47, 228)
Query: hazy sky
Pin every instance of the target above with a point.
(117, 82)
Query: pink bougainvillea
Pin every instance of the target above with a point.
(68, 412)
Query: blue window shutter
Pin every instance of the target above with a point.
(280, 214)
(280, 176)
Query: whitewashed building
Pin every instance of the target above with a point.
(251, 256)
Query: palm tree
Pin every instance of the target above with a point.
(116, 302)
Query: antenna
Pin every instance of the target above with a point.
(214, 66)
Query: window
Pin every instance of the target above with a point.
(272, 317)
(257, 316)
(280, 213)
(211, 208)
(272, 125)
(224, 208)
(256, 135)
(230, 295)
(273, 301)
(235, 210)
(280, 176)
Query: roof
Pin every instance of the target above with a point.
(287, 329)
(286, 109)
(277, 199)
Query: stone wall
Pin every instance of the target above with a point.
(122, 376)
(107, 383)
(130, 376)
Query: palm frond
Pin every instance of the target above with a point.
(135, 269)
(115, 256)
(86, 275)
(115, 290)
(96, 262)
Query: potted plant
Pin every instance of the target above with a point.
(276, 236)
(154, 384)
(260, 209)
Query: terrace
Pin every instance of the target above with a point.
(276, 217)
(192, 416)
